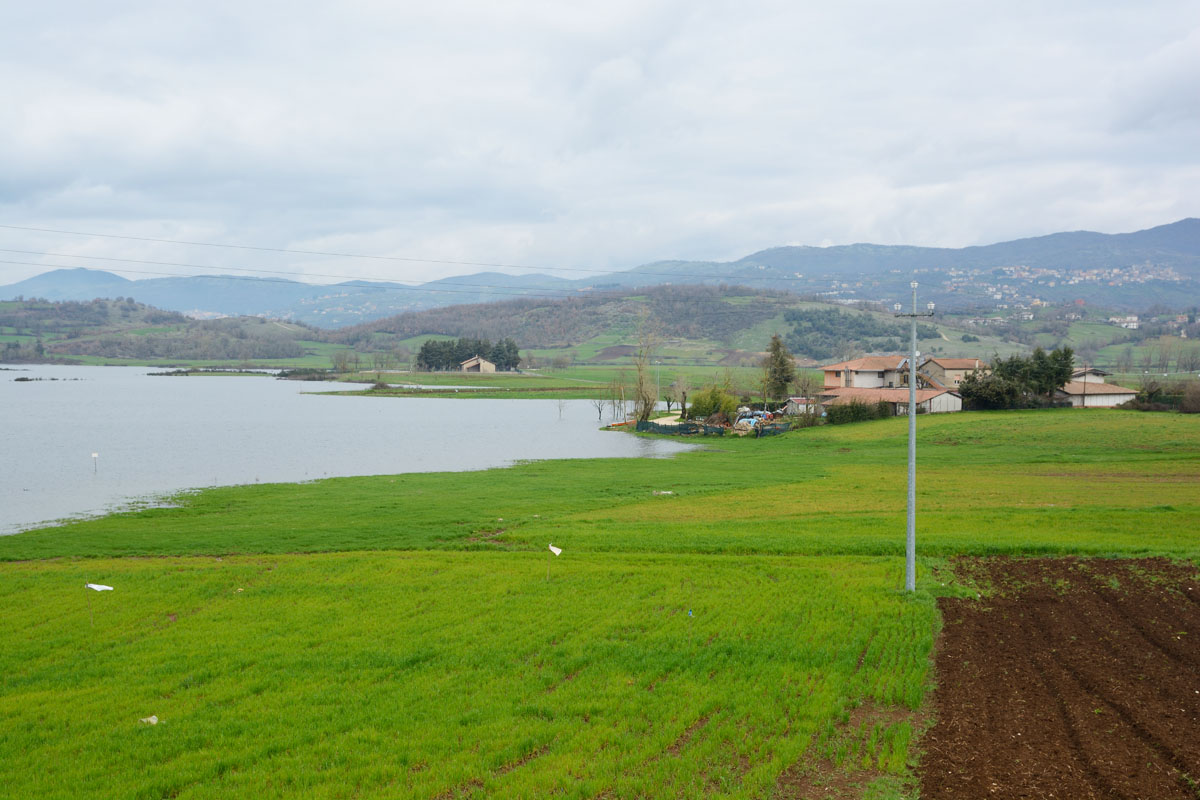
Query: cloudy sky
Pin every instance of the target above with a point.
(583, 135)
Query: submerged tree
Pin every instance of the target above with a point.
(645, 396)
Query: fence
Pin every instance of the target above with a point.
(696, 429)
(773, 430)
(683, 429)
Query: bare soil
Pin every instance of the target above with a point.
(1072, 679)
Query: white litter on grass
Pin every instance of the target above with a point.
(666, 492)
(99, 587)
(150, 720)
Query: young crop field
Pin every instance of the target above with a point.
(724, 623)
(452, 674)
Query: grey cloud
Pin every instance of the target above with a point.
(547, 133)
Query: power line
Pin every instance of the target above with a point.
(278, 249)
(417, 287)
(406, 259)
(497, 291)
(371, 287)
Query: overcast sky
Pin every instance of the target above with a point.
(578, 135)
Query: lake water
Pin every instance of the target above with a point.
(155, 436)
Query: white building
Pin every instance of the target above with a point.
(1087, 389)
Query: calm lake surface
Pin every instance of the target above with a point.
(155, 436)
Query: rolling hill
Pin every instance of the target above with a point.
(1128, 271)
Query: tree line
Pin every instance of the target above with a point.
(447, 354)
(1019, 381)
(830, 334)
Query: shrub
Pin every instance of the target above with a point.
(855, 411)
(1190, 404)
(713, 400)
(1144, 405)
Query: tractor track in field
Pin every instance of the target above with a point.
(1072, 678)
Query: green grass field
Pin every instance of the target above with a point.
(397, 636)
(570, 383)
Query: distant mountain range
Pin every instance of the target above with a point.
(1122, 271)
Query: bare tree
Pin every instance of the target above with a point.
(807, 386)
(1125, 360)
(616, 396)
(1164, 353)
(1188, 360)
(379, 359)
(679, 389)
(670, 396)
(598, 404)
(645, 395)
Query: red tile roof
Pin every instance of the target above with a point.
(862, 394)
(1081, 388)
(958, 363)
(869, 364)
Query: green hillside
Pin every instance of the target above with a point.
(123, 331)
(698, 328)
(695, 325)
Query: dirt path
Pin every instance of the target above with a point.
(1075, 679)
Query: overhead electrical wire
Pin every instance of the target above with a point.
(499, 291)
(371, 287)
(388, 284)
(406, 259)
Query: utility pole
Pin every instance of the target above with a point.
(910, 547)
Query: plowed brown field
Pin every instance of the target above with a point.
(1072, 679)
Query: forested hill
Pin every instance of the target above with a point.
(39, 330)
(1126, 271)
(681, 312)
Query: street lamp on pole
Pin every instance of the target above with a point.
(910, 546)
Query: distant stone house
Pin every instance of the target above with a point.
(477, 364)
(1087, 389)
(929, 401)
(798, 405)
(871, 372)
(1089, 375)
(948, 372)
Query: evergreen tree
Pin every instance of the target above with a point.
(779, 368)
